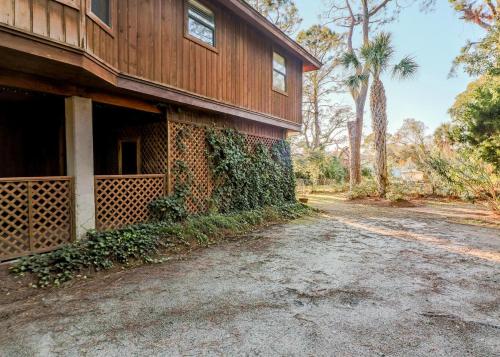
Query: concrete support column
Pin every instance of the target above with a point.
(80, 161)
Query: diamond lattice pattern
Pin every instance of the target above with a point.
(35, 216)
(124, 200)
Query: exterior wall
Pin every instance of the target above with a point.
(240, 72)
(147, 42)
(184, 115)
(55, 20)
(193, 125)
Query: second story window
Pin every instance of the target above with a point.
(201, 22)
(102, 9)
(279, 73)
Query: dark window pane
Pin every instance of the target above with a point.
(201, 32)
(101, 8)
(129, 158)
(201, 23)
(279, 81)
(279, 63)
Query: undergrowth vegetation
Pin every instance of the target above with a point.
(253, 186)
(144, 243)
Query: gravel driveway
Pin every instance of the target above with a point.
(360, 279)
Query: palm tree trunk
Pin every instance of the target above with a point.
(379, 124)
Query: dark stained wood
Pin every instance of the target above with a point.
(146, 51)
(239, 73)
(177, 114)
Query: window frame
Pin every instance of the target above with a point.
(194, 39)
(110, 29)
(279, 90)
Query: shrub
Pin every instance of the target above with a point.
(367, 188)
(366, 172)
(467, 175)
(168, 209)
(402, 190)
(140, 243)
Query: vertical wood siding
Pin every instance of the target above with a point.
(151, 45)
(57, 20)
(147, 40)
(217, 121)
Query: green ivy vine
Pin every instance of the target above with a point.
(246, 179)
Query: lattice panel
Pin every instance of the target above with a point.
(14, 222)
(51, 214)
(253, 140)
(35, 215)
(193, 153)
(153, 138)
(124, 200)
(154, 148)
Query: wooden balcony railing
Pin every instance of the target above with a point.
(123, 200)
(36, 215)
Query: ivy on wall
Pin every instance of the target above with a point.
(247, 179)
(244, 178)
(172, 208)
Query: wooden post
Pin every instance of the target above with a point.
(80, 161)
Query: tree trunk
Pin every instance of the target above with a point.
(355, 155)
(379, 125)
(355, 132)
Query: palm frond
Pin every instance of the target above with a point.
(405, 69)
(378, 53)
(355, 81)
(349, 60)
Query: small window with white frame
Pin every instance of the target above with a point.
(200, 22)
(102, 10)
(279, 72)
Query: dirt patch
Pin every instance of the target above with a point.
(359, 279)
(383, 203)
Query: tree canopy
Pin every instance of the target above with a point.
(481, 56)
(324, 120)
(476, 118)
(283, 13)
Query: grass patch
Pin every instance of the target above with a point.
(143, 242)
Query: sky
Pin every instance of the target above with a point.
(434, 39)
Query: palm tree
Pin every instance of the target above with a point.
(377, 57)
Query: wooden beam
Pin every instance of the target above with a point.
(39, 84)
(180, 97)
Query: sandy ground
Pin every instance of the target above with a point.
(360, 279)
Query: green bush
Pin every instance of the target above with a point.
(468, 176)
(367, 188)
(332, 169)
(140, 243)
(401, 191)
(168, 209)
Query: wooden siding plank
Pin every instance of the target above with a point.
(132, 37)
(71, 21)
(7, 13)
(56, 21)
(22, 13)
(40, 18)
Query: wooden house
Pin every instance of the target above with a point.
(93, 91)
